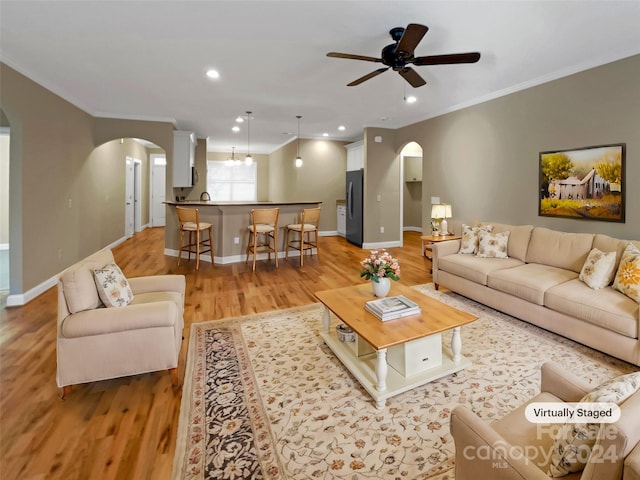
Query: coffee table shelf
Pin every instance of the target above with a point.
(363, 368)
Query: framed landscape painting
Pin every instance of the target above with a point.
(584, 183)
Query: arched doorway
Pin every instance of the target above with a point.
(411, 178)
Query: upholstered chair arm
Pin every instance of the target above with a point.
(448, 247)
(158, 283)
(442, 249)
(102, 321)
(563, 384)
(482, 453)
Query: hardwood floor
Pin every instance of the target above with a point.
(126, 428)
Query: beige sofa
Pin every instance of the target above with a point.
(539, 283)
(98, 343)
(515, 448)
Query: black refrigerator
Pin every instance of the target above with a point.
(354, 194)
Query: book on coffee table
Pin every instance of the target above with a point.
(392, 307)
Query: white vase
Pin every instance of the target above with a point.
(381, 287)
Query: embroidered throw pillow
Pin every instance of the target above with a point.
(493, 245)
(598, 269)
(575, 441)
(469, 241)
(627, 278)
(113, 288)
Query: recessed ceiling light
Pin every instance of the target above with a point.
(235, 128)
(325, 134)
(211, 73)
(239, 119)
(342, 128)
(411, 99)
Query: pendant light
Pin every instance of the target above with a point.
(248, 159)
(233, 160)
(298, 157)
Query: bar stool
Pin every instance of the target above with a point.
(263, 229)
(309, 220)
(189, 220)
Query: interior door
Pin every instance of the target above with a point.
(129, 199)
(158, 190)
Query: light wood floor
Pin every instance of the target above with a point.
(126, 428)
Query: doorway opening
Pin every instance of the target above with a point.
(411, 188)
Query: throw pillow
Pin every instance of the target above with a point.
(470, 238)
(80, 290)
(493, 245)
(627, 278)
(598, 269)
(572, 448)
(113, 287)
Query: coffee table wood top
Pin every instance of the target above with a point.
(348, 305)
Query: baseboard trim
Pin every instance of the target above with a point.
(20, 299)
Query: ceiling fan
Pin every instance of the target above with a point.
(400, 54)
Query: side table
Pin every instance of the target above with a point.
(429, 240)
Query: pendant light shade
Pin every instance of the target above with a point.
(298, 157)
(248, 159)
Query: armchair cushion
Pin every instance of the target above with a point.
(575, 441)
(113, 286)
(80, 291)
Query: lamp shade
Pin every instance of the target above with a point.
(441, 210)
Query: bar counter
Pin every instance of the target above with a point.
(230, 221)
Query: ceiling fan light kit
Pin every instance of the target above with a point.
(399, 55)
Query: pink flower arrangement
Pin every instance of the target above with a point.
(378, 265)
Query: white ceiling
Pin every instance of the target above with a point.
(147, 59)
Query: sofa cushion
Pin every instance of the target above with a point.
(598, 269)
(530, 281)
(113, 287)
(606, 307)
(80, 290)
(627, 278)
(575, 441)
(474, 268)
(559, 249)
(492, 245)
(610, 244)
(470, 238)
(519, 237)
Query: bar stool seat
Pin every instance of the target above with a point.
(263, 234)
(189, 220)
(309, 221)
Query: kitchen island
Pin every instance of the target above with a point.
(230, 221)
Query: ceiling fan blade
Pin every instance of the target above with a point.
(353, 57)
(471, 57)
(411, 76)
(410, 38)
(375, 73)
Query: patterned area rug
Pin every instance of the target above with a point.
(264, 398)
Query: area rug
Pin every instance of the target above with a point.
(264, 398)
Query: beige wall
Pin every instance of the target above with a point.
(321, 177)
(67, 179)
(484, 159)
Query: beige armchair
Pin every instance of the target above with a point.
(514, 448)
(97, 343)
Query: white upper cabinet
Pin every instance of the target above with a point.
(184, 147)
(355, 156)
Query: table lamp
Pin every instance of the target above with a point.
(440, 212)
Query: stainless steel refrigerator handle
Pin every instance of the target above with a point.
(350, 200)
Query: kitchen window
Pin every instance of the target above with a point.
(231, 182)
